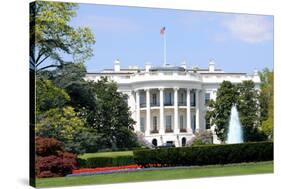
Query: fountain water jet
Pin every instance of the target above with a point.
(235, 133)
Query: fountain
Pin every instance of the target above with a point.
(235, 133)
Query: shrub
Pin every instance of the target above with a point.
(201, 138)
(51, 159)
(205, 155)
(93, 162)
(47, 146)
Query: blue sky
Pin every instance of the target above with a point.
(236, 42)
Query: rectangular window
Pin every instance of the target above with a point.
(192, 99)
(182, 99)
(193, 123)
(207, 98)
(181, 122)
(142, 124)
(169, 123)
(154, 123)
(154, 99)
(142, 100)
(168, 98)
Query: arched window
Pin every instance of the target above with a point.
(183, 141)
(154, 142)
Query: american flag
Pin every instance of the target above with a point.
(162, 31)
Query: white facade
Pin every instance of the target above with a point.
(169, 103)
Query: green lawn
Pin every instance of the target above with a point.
(180, 173)
(106, 154)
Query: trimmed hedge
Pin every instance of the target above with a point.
(205, 155)
(93, 162)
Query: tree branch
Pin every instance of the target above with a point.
(42, 60)
(45, 67)
(41, 53)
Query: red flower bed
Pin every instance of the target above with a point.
(98, 169)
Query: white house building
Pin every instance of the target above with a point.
(168, 103)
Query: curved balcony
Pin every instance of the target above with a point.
(145, 77)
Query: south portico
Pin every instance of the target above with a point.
(167, 115)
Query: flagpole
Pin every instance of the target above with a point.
(165, 49)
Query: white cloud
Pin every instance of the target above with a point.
(249, 28)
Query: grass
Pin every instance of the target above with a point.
(106, 154)
(180, 173)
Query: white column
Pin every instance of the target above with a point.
(138, 110)
(147, 130)
(176, 111)
(197, 109)
(188, 115)
(161, 131)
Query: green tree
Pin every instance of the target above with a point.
(82, 93)
(66, 126)
(49, 96)
(53, 39)
(112, 117)
(68, 74)
(267, 125)
(219, 110)
(266, 93)
(267, 101)
(249, 111)
(246, 97)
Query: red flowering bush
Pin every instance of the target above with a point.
(51, 159)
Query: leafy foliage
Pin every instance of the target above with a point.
(68, 74)
(267, 101)
(246, 97)
(202, 138)
(267, 125)
(112, 117)
(248, 107)
(49, 96)
(64, 125)
(52, 38)
(82, 122)
(51, 159)
(220, 109)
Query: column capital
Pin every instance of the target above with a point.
(136, 90)
(161, 88)
(176, 88)
(146, 89)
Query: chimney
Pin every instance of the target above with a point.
(211, 66)
(147, 67)
(256, 72)
(117, 65)
(183, 65)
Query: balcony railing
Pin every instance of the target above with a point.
(168, 103)
(154, 131)
(182, 103)
(168, 130)
(182, 130)
(142, 105)
(154, 104)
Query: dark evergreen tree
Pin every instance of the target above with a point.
(220, 109)
(113, 118)
(249, 111)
